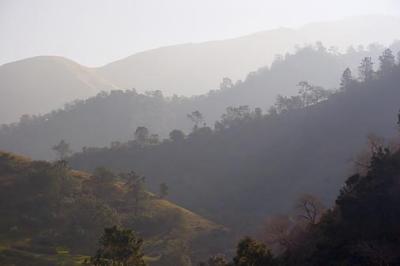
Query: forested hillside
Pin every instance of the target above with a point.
(53, 215)
(114, 116)
(360, 229)
(200, 133)
(252, 165)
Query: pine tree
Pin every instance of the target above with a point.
(366, 69)
(387, 62)
(346, 79)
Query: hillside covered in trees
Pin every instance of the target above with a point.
(360, 229)
(252, 165)
(147, 133)
(114, 117)
(53, 215)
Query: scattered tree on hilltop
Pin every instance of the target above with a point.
(119, 247)
(62, 149)
(135, 185)
(141, 134)
(197, 118)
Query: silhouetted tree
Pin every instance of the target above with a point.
(309, 208)
(366, 69)
(141, 134)
(387, 62)
(197, 118)
(251, 252)
(136, 189)
(347, 79)
(62, 149)
(176, 135)
(119, 247)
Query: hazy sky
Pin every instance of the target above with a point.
(95, 32)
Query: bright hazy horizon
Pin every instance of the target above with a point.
(96, 32)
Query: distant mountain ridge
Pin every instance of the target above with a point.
(44, 83)
(191, 69)
(111, 117)
(41, 84)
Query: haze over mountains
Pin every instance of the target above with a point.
(110, 117)
(41, 84)
(284, 143)
(253, 165)
(196, 68)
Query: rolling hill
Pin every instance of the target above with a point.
(52, 215)
(38, 85)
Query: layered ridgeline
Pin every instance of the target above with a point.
(52, 215)
(251, 164)
(39, 85)
(191, 69)
(114, 116)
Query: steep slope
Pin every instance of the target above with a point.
(53, 215)
(191, 69)
(258, 165)
(40, 84)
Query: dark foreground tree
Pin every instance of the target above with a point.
(252, 253)
(119, 247)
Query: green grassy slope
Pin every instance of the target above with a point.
(52, 215)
